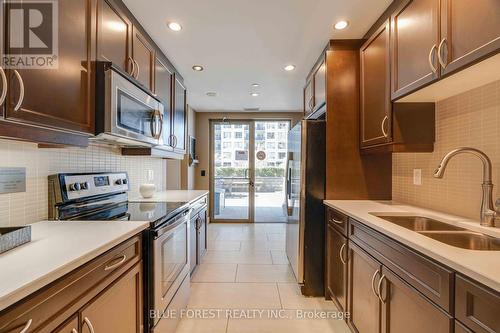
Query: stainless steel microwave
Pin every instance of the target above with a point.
(126, 113)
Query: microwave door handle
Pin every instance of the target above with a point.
(289, 183)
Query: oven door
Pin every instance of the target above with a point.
(133, 113)
(171, 263)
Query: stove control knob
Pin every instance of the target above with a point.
(125, 181)
(75, 187)
(119, 182)
(84, 186)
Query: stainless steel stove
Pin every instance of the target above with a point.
(103, 197)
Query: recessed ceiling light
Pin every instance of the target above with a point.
(254, 94)
(255, 85)
(341, 25)
(174, 26)
(197, 68)
(211, 94)
(289, 68)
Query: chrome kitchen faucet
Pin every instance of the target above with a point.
(489, 214)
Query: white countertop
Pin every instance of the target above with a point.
(56, 249)
(173, 196)
(482, 266)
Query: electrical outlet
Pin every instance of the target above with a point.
(417, 176)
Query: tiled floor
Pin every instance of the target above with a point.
(246, 278)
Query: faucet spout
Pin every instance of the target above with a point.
(488, 212)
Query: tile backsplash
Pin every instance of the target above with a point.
(31, 206)
(471, 119)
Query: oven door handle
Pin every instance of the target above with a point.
(158, 233)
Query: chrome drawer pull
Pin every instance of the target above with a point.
(336, 221)
(89, 324)
(27, 326)
(110, 267)
(21, 91)
(377, 272)
(340, 253)
(379, 288)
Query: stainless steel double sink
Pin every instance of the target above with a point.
(444, 232)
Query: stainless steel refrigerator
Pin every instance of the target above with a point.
(305, 229)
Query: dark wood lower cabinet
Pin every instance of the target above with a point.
(71, 326)
(406, 310)
(336, 266)
(364, 305)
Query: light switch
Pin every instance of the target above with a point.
(417, 176)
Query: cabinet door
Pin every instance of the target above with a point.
(336, 266)
(71, 326)
(143, 55)
(58, 97)
(163, 90)
(117, 309)
(179, 117)
(376, 111)
(406, 310)
(309, 97)
(364, 304)
(320, 85)
(470, 31)
(114, 32)
(415, 39)
(202, 234)
(193, 236)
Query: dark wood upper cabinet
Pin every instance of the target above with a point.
(58, 97)
(376, 113)
(114, 36)
(364, 305)
(336, 267)
(415, 39)
(470, 30)
(405, 310)
(179, 117)
(143, 55)
(163, 91)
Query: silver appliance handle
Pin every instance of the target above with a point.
(431, 63)
(89, 324)
(21, 90)
(177, 224)
(4, 85)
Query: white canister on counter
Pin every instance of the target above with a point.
(148, 189)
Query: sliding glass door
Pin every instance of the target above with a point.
(247, 174)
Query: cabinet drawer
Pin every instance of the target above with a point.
(53, 304)
(198, 205)
(428, 277)
(338, 220)
(477, 307)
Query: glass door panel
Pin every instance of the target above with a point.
(271, 150)
(232, 165)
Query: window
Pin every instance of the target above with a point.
(283, 126)
(281, 156)
(281, 135)
(238, 126)
(272, 156)
(260, 137)
(281, 145)
(227, 145)
(260, 126)
(227, 135)
(271, 125)
(238, 145)
(227, 155)
(271, 145)
(270, 135)
(226, 164)
(238, 135)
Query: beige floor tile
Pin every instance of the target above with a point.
(264, 273)
(276, 245)
(255, 245)
(276, 237)
(241, 236)
(237, 257)
(279, 257)
(224, 245)
(234, 296)
(202, 326)
(215, 273)
(291, 298)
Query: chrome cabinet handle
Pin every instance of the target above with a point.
(110, 267)
(377, 272)
(379, 288)
(175, 140)
(431, 63)
(4, 86)
(131, 61)
(340, 254)
(138, 68)
(383, 127)
(27, 326)
(21, 90)
(439, 53)
(336, 221)
(89, 324)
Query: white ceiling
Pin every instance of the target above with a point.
(240, 42)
